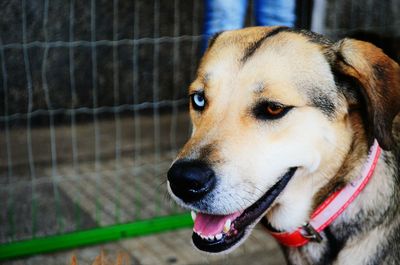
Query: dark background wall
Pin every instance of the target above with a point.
(371, 20)
(158, 65)
(142, 20)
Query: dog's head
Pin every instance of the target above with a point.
(275, 113)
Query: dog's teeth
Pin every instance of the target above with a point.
(193, 215)
(227, 226)
(218, 236)
(202, 237)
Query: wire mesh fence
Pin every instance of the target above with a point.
(92, 93)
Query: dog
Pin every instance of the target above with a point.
(284, 120)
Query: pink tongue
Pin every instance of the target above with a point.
(206, 224)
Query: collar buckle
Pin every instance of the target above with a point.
(310, 233)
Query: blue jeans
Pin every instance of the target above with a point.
(230, 14)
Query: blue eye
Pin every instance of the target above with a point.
(198, 101)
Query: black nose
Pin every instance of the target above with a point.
(191, 180)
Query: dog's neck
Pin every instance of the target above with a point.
(350, 169)
(356, 235)
(365, 213)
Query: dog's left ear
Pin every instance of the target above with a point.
(379, 80)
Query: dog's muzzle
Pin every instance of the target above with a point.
(191, 180)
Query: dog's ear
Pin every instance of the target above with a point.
(378, 77)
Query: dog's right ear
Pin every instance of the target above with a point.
(378, 77)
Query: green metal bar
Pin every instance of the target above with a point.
(94, 236)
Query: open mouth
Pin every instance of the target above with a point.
(216, 233)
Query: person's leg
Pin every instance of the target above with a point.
(222, 15)
(275, 12)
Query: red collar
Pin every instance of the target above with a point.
(331, 208)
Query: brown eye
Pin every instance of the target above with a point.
(266, 110)
(274, 110)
